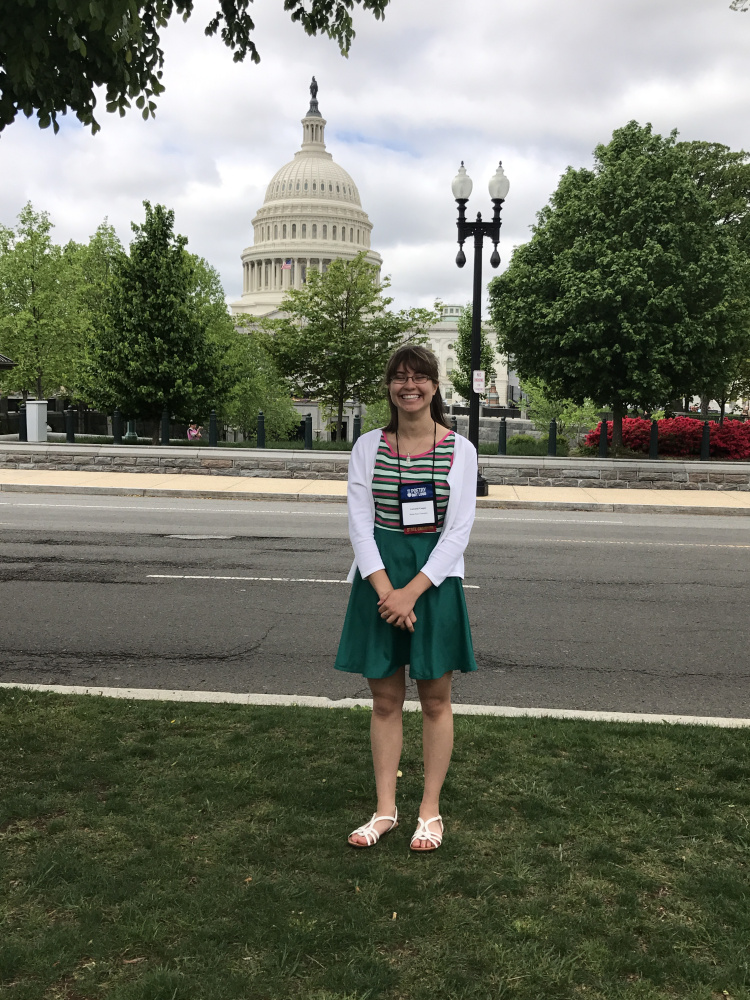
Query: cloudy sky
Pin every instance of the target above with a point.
(536, 83)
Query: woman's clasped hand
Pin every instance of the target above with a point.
(397, 608)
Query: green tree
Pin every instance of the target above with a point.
(255, 385)
(248, 380)
(54, 54)
(99, 261)
(338, 334)
(461, 374)
(543, 408)
(41, 323)
(207, 295)
(95, 264)
(154, 350)
(733, 383)
(378, 414)
(628, 291)
(723, 175)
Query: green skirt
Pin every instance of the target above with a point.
(441, 639)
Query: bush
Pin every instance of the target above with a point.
(680, 437)
(526, 444)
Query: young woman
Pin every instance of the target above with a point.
(411, 498)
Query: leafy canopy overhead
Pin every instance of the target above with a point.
(55, 53)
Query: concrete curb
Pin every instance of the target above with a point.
(129, 491)
(307, 701)
(610, 508)
(188, 494)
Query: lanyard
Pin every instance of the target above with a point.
(434, 442)
(417, 501)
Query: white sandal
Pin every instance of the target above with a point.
(368, 830)
(424, 833)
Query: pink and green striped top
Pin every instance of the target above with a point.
(416, 469)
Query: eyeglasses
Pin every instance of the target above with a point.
(400, 379)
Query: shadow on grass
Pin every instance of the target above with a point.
(198, 852)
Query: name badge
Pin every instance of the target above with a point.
(418, 507)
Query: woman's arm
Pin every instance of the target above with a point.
(455, 536)
(380, 582)
(361, 511)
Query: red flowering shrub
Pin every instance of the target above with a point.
(731, 441)
(681, 436)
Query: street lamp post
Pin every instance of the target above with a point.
(461, 187)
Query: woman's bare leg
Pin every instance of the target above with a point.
(437, 744)
(386, 737)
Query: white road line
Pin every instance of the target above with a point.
(203, 538)
(655, 544)
(307, 701)
(257, 579)
(262, 579)
(545, 520)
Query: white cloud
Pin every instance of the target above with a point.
(536, 83)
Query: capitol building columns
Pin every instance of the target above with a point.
(266, 275)
(269, 275)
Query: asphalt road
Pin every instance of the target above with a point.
(620, 612)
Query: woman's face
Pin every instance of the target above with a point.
(410, 396)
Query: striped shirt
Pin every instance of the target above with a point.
(415, 469)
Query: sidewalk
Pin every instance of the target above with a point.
(215, 487)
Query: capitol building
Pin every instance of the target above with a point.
(311, 215)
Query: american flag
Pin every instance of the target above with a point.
(287, 265)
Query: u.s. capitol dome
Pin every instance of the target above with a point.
(310, 216)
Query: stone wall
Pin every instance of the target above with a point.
(620, 474)
(193, 461)
(268, 464)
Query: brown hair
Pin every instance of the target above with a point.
(422, 361)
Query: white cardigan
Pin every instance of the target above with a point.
(447, 558)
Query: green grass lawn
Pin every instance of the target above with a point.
(198, 852)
